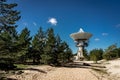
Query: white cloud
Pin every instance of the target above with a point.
(52, 21)
(25, 24)
(96, 39)
(104, 34)
(34, 23)
(118, 25)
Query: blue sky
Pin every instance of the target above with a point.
(99, 17)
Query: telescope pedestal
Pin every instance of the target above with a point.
(81, 38)
(80, 53)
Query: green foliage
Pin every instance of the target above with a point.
(8, 34)
(118, 52)
(96, 54)
(45, 59)
(23, 44)
(7, 46)
(86, 56)
(21, 66)
(45, 47)
(7, 50)
(65, 53)
(37, 47)
(50, 46)
(112, 52)
(8, 16)
(56, 51)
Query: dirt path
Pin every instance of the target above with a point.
(57, 73)
(70, 74)
(72, 71)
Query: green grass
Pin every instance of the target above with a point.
(100, 70)
(21, 66)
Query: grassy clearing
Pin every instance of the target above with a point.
(21, 66)
(5, 74)
(99, 70)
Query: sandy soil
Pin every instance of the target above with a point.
(113, 69)
(58, 73)
(70, 74)
(46, 72)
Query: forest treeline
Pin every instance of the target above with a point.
(110, 53)
(43, 48)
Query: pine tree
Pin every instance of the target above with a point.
(7, 51)
(65, 54)
(8, 16)
(86, 55)
(23, 44)
(5, 43)
(38, 44)
(8, 34)
(56, 51)
(49, 50)
(111, 52)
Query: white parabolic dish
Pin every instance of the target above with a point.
(81, 35)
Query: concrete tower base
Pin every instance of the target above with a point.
(80, 53)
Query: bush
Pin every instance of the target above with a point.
(7, 66)
(96, 54)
